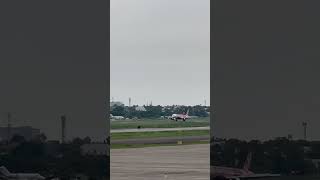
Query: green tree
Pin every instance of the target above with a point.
(87, 140)
(118, 111)
(78, 141)
(41, 138)
(17, 139)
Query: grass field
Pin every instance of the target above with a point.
(156, 123)
(123, 146)
(134, 135)
(159, 123)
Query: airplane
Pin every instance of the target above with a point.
(5, 174)
(180, 116)
(116, 117)
(227, 173)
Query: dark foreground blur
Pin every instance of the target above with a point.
(77, 159)
(293, 159)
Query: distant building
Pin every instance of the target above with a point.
(116, 103)
(95, 149)
(26, 131)
(140, 108)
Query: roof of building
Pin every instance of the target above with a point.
(116, 103)
(140, 108)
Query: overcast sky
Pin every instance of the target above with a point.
(160, 51)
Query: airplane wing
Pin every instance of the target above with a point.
(27, 176)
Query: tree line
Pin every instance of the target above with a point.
(64, 160)
(158, 111)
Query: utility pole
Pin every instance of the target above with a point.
(9, 126)
(304, 125)
(63, 128)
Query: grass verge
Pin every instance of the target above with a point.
(159, 123)
(125, 146)
(135, 135)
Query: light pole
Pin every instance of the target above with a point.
(304, 125)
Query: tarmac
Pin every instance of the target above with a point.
(161, 140)
(159, 129)
(182, 162)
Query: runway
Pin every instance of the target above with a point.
(161, 140)
(159, 129)
(161, 163)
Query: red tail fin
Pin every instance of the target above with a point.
(247, 163)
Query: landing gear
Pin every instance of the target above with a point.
(184, 119)
(174, 119)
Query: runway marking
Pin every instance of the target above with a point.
(159, 129)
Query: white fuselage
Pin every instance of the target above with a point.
(179, 116)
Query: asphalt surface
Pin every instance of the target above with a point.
(161, 140)
(183, 162)
(159, 129)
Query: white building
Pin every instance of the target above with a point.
(140, 108)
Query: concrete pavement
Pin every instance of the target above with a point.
(161, 163)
